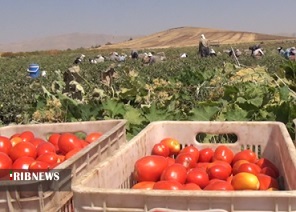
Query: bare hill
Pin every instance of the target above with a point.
(62, 42)
(189, 36)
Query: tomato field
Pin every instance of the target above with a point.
(191, 88)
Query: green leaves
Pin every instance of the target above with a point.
(235, 113)
(153, 114)
(113, 109)
(204, 112)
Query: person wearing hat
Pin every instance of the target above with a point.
(293, 51)
(289, 52)
(203, 47)
(151, 58)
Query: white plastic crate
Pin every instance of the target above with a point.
(107, 187)
(114, 136)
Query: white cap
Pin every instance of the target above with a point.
(149, 54)
(202, 36)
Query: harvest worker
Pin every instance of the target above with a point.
(203, 47)
(134, 54)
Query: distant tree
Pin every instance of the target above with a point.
(130, 39)
(108, 43)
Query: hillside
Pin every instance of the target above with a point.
(62, 42)
(189, 36)
(176, 37)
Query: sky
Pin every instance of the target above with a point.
(30, 19)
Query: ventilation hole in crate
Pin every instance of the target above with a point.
(242, 147)
(182, 146)
(259, 151)
(216, 138)
(254, 148)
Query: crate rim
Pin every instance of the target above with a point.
(184, 193)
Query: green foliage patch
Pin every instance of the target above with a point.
(190, 88)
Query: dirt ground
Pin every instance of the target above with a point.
(189, 36)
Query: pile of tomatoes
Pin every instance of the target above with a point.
(171, 168)
(24, 151)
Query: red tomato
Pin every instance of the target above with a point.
(192, 150)
(5, 164)
(168, 185)
(175, 172)
(37, 141)
(83, 143)
(160, 149)
(44, 148)
(67, 142)
(54, 139)
(219, 186)
(173, 144)
(267, 182)
(198, 176)
(186, 159)
(223, 163)
(268, 171)
(216, 180)
(5, 144)
(15, 135)
(223, 153)
(245, 181)
(71, 153)
(246, 154)
(27, 135)
(170, 160)
(149, 168)
(23, 149)
(22, 163)
(38, 166)
(94, 136)
(264, 162)
(237, 164)
(202, 165)
(15, 140)
(49, 157)
(249, 168)
(191, 186)
(206, 155)
(146, 185)
(218, 171)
